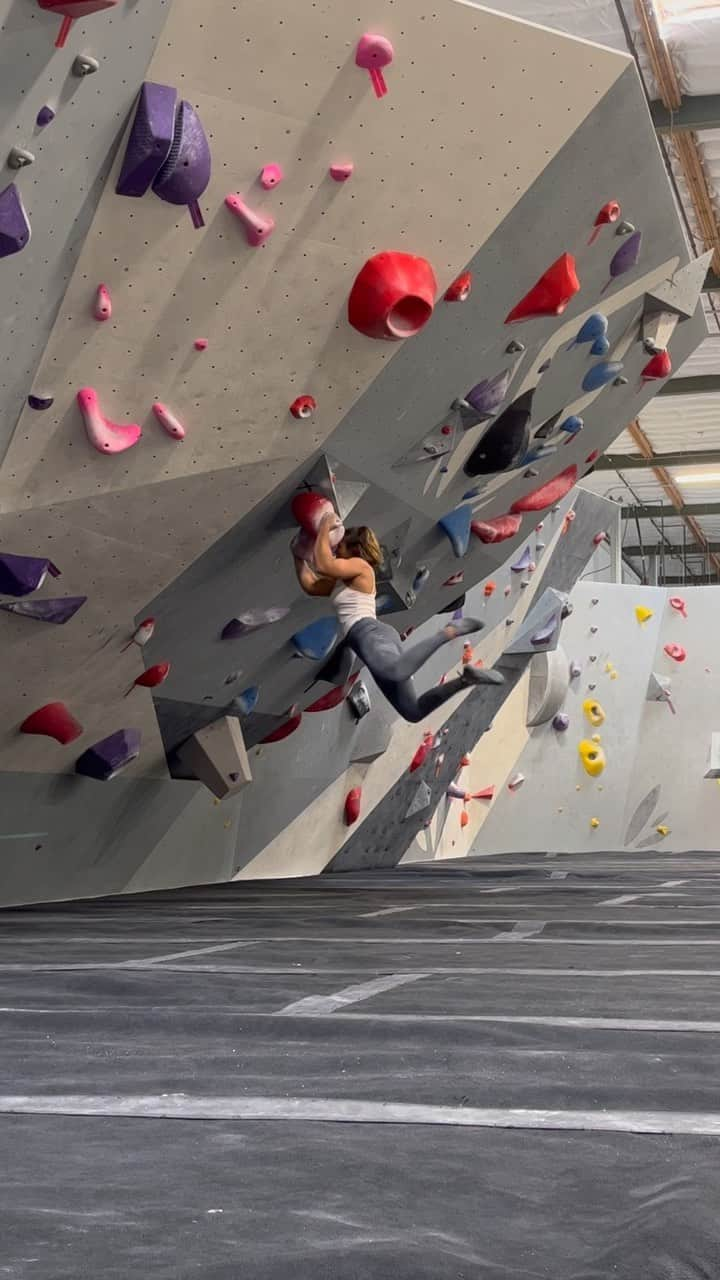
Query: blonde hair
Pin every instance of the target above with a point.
(362, 542)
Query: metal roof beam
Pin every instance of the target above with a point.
(634, 462)
(671, 513)
(701, 111)
(671, 551)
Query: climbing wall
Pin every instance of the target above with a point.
(654, 679)
(226, 321)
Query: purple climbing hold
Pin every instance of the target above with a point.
(523, 564)
(41, 402)
(44, 116)
(487, 396)
(186, 172)
(59, 610)
(561, 722)
(19, 575)
(150, 139)
(545, 633)
(110, 756)
(626, 256)
(14, 225)
(244, 623)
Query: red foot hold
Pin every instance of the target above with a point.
(53, 721)
(548, 494)
(353, 801)
(551, 294)
(422, 752)
(487, 794)
(459, 290)
(660, 366)
(303, 407)
(393, 296)
(151, 678)
(496, 530)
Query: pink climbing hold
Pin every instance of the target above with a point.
(676, 652)
(550, 294)
(372, 54)
(53, 721)
(258, 227)
(679, 605)
(151, 678)
(496, 530)
(548, 494)
(270, 176)
(168, 421)
(104, 435)
(71, 9)
(455, 579)
(353, 801)
(341, 172)
(422, 752)
(600, 538)
(303, 407)
(143, 633)
(103, 303)
(200, 344)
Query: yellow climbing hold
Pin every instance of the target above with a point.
(592, 756)
(613, 675)
(663, 831)
(595, 737)
(642, 614)
(609, 666)
(594, 822)
(593, 711)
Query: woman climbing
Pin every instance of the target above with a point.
(348, 577)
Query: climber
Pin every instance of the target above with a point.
(348, 577)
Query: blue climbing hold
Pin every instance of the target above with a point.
(593, 328)
(472, 493)
(601, 374)
(572, 425)
(535, 455)
(317, 639)
(600, 346)
(456, 524)
(246, 701)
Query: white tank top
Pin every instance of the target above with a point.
(351, 605)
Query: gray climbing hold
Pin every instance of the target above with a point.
(509, 622)
(593, 657)
(575, 670)
(539, 546)
(595, 600)
(545, 366)
(84, 65)
(593, 631)
(514, 348)
(620, 381)
(420, 800)
(530, 473)
(19, 157)
(358, 700)
(524, 583)
(591, 686)
(624, 229)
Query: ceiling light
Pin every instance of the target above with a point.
(699, 477)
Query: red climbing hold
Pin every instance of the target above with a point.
(487, 794)
(152, 677)
(329, 700)
(53, 721)
(496, 530)
(551, 294)
(593, 457)
(610, 212)
(548, 494)
(393, 296)
(459, 290)
(303, 407)
(660, 366)
(422, 752)
(308, 509)
(353, 800)
(283, 731)
(464, 818)
(142, 634)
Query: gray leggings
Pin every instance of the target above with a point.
(392, 667)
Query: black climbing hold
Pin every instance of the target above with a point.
(505, 442)
(514, 348)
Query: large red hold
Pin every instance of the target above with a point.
(393, 296)
(151, 678)
(660, 366)
(496, 530)
(353, 801)
(53, 721)
(548, 494)
(551, 294)
(308, 509)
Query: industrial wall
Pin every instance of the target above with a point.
(501, 151)
(656, 682)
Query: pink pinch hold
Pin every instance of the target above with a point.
(341, 172)
(104, 435)
(676, 652)
(200, 344)
(270, 176)
(678, 604)
(103, 303)
(372, 54)
(168, 421)
(258, 227)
